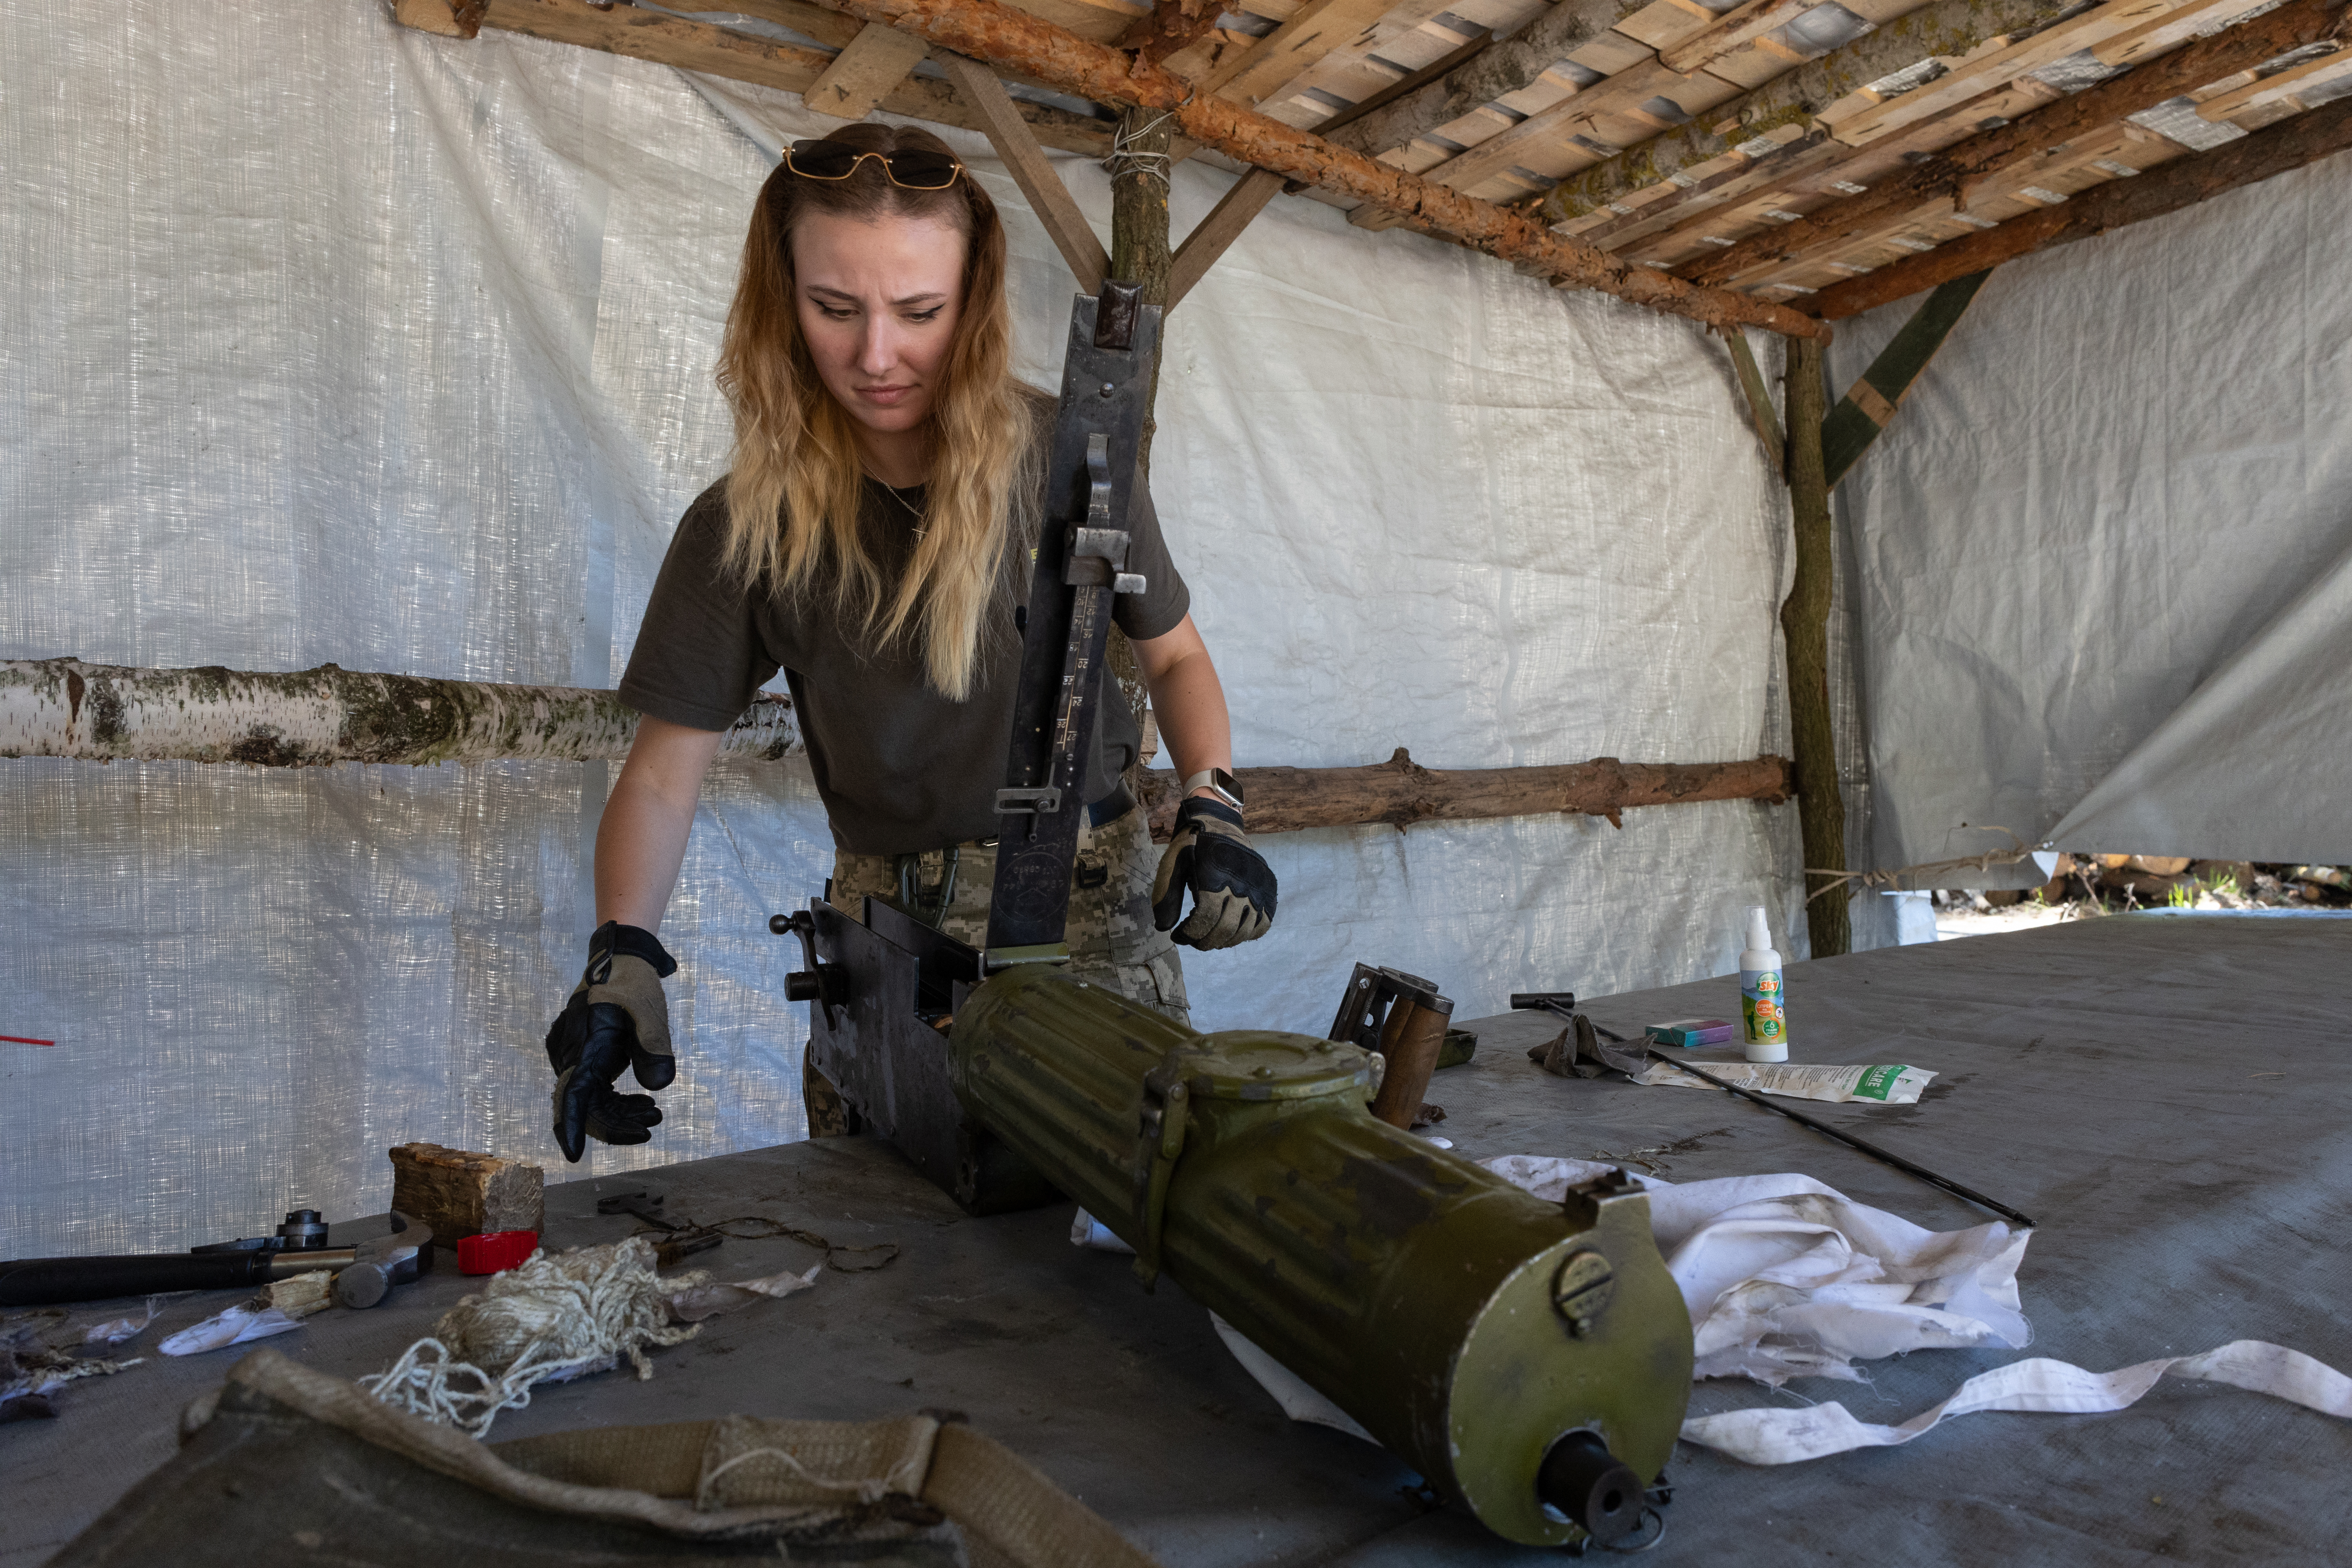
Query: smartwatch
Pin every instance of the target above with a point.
(1223, 783)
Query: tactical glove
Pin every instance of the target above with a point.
(1233, 887)
(617, 1017)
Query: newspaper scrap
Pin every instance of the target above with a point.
(1884, 1085)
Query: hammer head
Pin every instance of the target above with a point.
(1561, 1001)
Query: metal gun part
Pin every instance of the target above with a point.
(1081, 564)
(1469, 1326)
(1402, 1018)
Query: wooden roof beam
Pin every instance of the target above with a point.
(1958, 169)
(1796, 99)
(2272, 151)
(1013, 41)
(699, 47)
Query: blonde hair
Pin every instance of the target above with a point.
(796, 490)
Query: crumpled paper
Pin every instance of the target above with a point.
(234, 1327)
(710, 1297)
(1786, 1278)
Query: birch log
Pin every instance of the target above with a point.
(311, 718)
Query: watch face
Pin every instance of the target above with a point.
(1225, 784)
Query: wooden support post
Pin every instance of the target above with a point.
(1759, 401)
(1804, 627)
(1870, 403)
(1138, 248)
(864, 72)
(982, 93)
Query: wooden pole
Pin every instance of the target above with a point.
(1400, 792)
(1804, 627)
(1139, 254)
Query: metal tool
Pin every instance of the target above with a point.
(300, 1246)
(1873, 1150)
(395, 1257)
(682, 1240)
(1402, 1018)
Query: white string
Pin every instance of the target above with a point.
(1984, 862)
(868, 1490)
(549, 1318)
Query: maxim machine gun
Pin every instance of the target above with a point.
(1530, 1358)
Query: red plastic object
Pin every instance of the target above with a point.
(495, 1251)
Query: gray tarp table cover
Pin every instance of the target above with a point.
(2162, 1094)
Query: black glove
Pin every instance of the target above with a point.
(616, 1016)
(1233, 887)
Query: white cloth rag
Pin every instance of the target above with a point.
(1786, 1278)
(1783, 1436)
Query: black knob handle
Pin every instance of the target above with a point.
(779, 925)
(1581, 1479)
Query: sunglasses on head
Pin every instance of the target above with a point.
(909, 169)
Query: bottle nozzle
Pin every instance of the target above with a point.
(1759, 933)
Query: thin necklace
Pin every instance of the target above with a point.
(912, 510)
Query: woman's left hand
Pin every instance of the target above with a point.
(1233, 887)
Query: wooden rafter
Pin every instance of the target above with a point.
(1951, 174)
(1010, 39)
(1049, 198)
(738, 56)
(2276, 150)
(870, 68)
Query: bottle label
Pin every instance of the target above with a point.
(1761, 1007)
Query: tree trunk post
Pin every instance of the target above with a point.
(1804, 624)
(1140, 253)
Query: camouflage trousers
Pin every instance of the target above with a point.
(1113, 942)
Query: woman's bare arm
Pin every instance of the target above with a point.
(1187, 700)
(641, 842)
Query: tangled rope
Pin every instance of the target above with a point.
(550, 1319)
(1984, 862)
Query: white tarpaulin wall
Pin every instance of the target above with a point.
(2103, 559)
(328, 341)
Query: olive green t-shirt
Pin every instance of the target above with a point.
(898, 766)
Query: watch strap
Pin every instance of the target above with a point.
(1228, 788)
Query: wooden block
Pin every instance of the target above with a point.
(457, 1194)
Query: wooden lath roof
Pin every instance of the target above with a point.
(1765, 163)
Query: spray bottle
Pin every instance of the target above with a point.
(1762, 1002)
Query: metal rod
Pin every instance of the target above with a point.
(1873, 1150)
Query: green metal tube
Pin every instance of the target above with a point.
(1464, 1323)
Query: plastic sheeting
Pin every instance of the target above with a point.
(333, 341)
(2105, 554)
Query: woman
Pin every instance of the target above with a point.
(872, 539)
